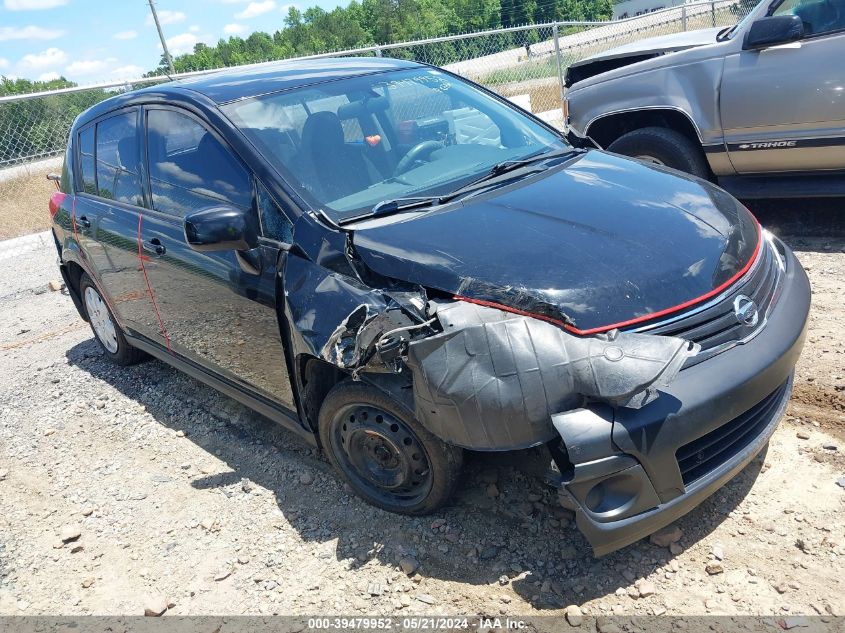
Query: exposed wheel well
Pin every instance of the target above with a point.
(611, 127)
(318, 377)
(74, 274)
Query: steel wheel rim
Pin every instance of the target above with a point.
(650, 159)
(101, 320)
(381, 454)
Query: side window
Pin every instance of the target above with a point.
(86, 161)
(118, 161)
(819, 16)
(189, 168)
(274, 223)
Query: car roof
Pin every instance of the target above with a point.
(242, 83)
(232, 84)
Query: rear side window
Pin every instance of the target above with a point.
(118, 159)
(86, 161)
(190, 168)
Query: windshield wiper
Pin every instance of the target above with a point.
(511, 165)
(387, 207)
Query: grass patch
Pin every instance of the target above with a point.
(23, 205)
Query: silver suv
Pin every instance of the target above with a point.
(758, 107)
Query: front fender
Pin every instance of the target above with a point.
(689, 88)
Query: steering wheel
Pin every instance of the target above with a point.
(417, 152)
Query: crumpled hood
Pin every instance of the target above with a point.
(661, 44)
(597, 243)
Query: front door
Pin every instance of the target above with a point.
(783, 108)
(218, 309)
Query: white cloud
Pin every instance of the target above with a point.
(182, 43)
(125, 35)
(30, 5)
(166, 16)
(28, 33)
(194, 28)
(234, 29)
(48, 76)
(86, 66)
(4, 63)
(50, 57)
(128, 72)
(254, 9)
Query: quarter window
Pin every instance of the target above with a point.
(191, 169)
(118, 162)
(86, 161)
(274, 223)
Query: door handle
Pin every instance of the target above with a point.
(155, 247)
(84, 222)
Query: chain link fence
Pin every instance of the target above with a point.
(525, 64)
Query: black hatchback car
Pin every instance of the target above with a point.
(399, 265)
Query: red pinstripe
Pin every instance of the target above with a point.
(142, 258)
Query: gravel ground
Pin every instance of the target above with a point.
(130, 489)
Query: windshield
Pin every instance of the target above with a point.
(737, 28)
(348, 145)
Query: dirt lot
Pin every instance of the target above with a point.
(181, 495)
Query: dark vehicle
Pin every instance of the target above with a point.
(399, 265)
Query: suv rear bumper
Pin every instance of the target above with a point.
(715, 417)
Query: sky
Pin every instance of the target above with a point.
(92, 41)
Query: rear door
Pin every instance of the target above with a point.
(783, 108)
(218, 309)
(106, 212)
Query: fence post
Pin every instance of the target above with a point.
(684, 16)
(559, 62)
(713, 11)
(378, 51)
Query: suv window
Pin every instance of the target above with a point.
(118, 162)
(191, 169)
(819, 16)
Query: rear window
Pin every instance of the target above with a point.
(118, 159)
(109, 159)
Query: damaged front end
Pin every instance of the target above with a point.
(489, 379)
(481, 378)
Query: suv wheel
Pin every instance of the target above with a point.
(387, 457)
(662, 146)
(105, 328)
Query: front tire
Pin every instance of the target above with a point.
(106, 330)
(662, 146)
(384, 453)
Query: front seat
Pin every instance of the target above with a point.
(335, 169)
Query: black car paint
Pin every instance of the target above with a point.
(658, 226)
(554, 244)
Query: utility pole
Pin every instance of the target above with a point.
(161, 37)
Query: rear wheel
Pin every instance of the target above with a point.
(106, 331)
(387, 457)
(662, 146)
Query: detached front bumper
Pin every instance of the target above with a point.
(633, 471)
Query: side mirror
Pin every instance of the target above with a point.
(221, 228)
(774, 30)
